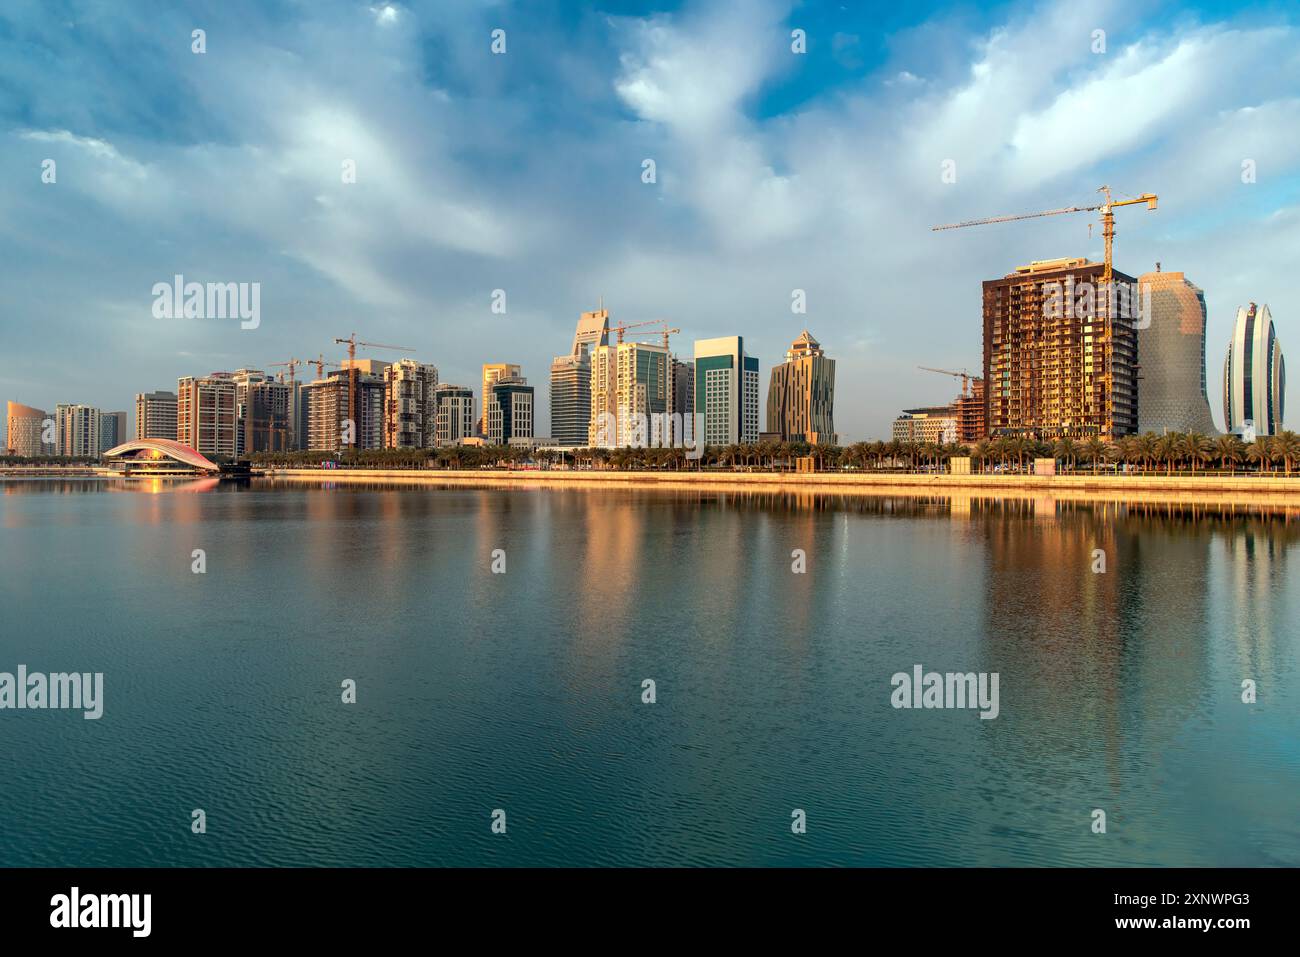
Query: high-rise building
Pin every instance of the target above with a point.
(77, 430)
(155, 415)
(1171, 352)
(454, 420)
(629, 384)
(410, 405)
(491, 372)
(938, 425)
(26, 427)
(801, 395)
(570, 399)
(510, 410)
(1254, 374)
(969, 411)
(112, 430)
(571, 380)
(326, 411)
(263, 413)
(681, 396)
(1053, 366)
(726, 391)
(205, 414)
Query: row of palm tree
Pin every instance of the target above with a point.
(1169, 452)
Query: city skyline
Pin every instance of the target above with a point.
(772, 182)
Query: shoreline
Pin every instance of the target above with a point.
(1210, 490)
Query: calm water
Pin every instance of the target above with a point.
(522, 691)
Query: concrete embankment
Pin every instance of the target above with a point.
(1202, 489)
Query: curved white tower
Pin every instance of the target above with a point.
(1254, 374)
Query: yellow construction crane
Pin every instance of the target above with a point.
(622, 326)
(352, 343)
(1107, 220)
(1108, 235)
(963, 375)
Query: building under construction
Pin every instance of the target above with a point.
(967, 410)
(1057, 363)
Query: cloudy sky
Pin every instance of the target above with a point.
(522, 171)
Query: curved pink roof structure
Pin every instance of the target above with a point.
(171, 449)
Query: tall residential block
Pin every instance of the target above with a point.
(1254, 374)
(726, 391)
(454, 419)
(326, 410)
(491, 372)
(205, 414)
(1172, 395)
(410, 405)
(571, 380)
(570, 399)
(77, 430)
(629, 385)
(1056, 362)
(801, 394)
(510, 410)
(263, 413)
(155, 415)
(112, 430)
(26, 428)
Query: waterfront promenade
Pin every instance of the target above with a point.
(1202, 489)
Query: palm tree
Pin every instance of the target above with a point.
(980, 452)
(1066, 451)
(1260, 453)
(1094, 450)
(1228, 451)
(1197, 449)
(1286, 446)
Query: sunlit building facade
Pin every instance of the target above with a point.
(801, 394)
(205, 414)
(25, 429)
(1254, 374)
(155, 415)
(1172, 395)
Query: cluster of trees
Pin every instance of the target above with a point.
(1169, 452)
(47, 460)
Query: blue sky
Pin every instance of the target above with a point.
(522, 171)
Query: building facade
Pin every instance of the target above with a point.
(77, 430)
(410, 405)
(264, 413)
(205, 414)
(571, 380)
(112, 430)
(570, 399)
(454, 419)
(726, 391)
(26, 428)
(629, 384)
(326, 410)
(491, 372)
(1056, 362)
(1172, 395)
(969, 411)
(155, 415)
(937, 425)
(1254, 374)
(801, 394)
(510, 411)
